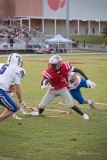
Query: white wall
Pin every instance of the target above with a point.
(78, 9)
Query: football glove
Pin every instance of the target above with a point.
(90, 84)
(45, 84)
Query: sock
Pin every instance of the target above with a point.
(89, 102)
(78, 110)
(40, 110)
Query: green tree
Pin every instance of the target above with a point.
(104, 31)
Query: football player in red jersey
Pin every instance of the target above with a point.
(57, 76)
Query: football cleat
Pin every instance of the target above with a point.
(16, 117)
(35, 113)
(92, 105)
(23, 111)
(85, 116)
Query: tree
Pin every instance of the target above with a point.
(104, 31)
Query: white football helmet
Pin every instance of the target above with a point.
(54, 63)
(57, 57)
(15, 59)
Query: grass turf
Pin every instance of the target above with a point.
(62, 138)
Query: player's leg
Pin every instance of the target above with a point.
(48, 98)
(15, 116)
(8, 103)
(90, 102)
(77, 94)
(5, 114)
(67, 97)
(10, 92)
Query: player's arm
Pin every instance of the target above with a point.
(80, 72)
(90, 84)
(19, 75)
(45, 83)
(19, 96)
(74, 80)
(18, 92)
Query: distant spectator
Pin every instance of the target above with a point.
(56, 48)
(93, 30)
(5, 45)
(75, 31)
(73, 43)
(103, 45)
(47, 46)
(77, 44)
(11, 41)
(9, 20)
(1, 20)
(26, 42)
(86, 30)
(37, 28)
(84, 44)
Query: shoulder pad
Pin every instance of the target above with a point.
(21, 72)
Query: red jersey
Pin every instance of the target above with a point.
(58, 79)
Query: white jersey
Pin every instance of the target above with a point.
(70, 77)
(10, 74)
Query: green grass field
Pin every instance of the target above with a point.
(61, 137)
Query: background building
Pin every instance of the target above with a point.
(50, 16)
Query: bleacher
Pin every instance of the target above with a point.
(14, 37)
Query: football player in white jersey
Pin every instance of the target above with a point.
(11, 92)
(11, 73)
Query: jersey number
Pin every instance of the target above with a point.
(64, 80)
(3, 68)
